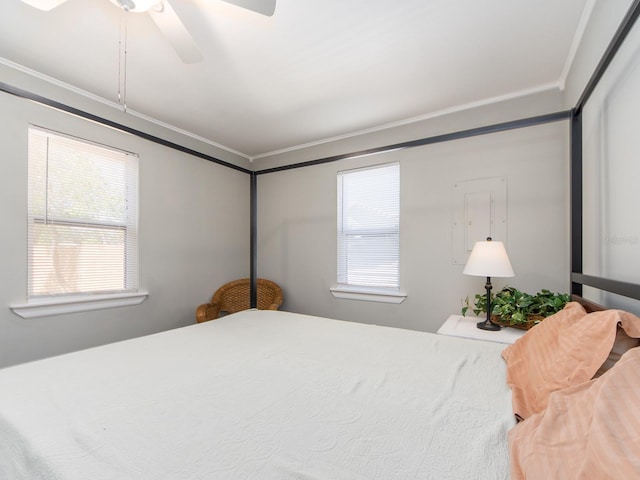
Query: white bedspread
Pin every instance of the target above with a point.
(261, 395)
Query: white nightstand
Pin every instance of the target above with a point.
(465, 327)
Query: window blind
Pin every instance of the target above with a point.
(369, 227)
(82, 217)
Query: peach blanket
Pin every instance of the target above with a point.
(566, 349)
(590, 431)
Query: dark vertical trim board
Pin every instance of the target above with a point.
(253, 241)
(576, 199)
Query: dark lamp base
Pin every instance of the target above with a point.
(488, 325)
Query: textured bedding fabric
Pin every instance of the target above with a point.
(261, 395)
(566, 349)
(590, 431)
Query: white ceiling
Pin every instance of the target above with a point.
(315, 70)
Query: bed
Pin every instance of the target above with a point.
(261, 395)
(277, 395)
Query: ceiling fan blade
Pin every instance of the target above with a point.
(176, 33)
(264, 7)
(44, 4)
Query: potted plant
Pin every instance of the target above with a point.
(513, 308)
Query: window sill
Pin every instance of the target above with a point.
(368, 295)
(60, 306)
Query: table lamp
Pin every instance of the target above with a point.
(488, 259)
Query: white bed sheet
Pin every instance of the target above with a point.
(261, 395)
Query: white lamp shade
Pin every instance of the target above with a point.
(488, 259)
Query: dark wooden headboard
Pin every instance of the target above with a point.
(588, 305)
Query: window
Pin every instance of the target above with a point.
(369, 229)
(82, 218)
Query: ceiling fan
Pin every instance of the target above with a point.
(168, 21)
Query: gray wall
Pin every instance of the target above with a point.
(297, 209)
(194, 226)
(194, 236)
(297, 225)
(611, 222)
(600, 29)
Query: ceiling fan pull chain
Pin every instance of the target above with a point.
(122, 62)
(124, 81)
(119, 59)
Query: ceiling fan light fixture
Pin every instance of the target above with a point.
(138, 6)
(44, 4)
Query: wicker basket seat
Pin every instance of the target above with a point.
(235, 296)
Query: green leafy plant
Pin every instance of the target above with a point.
(479, 304)
(515, 307)
(547, 303)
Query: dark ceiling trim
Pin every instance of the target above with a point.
(514, 124)
(498, 127)
(18, 92)
(616, 42)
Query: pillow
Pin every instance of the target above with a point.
(565, 349)
(621, 345)
(588, 431)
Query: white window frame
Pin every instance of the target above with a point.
(368, 287)
(50, 302)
